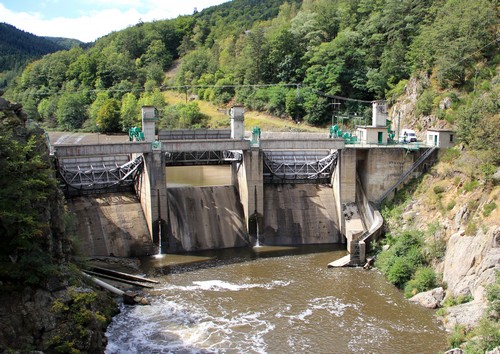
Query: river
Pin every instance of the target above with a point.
(271, 300)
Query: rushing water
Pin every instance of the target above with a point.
(271, 300)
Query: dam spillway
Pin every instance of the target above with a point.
(202, 218)
(298, 214)
(110, 225)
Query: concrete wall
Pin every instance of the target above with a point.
(143, 191)
(152, 192)
(381, 168)
(296, 214)
(348, 175)
(249, 181)
(337, 195)
(203, 218)
(111, 224)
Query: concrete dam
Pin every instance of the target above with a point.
(285, 189)
(203, 218)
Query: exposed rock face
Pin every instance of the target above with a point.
(51, 316)
(471, 261)
(44, 319)
(470, 239)
(467, 314)
(431, 299)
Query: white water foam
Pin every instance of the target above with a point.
(172, 326)
(220, 285)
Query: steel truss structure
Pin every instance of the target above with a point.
(203, 157)
(298, 166)
(99, 178)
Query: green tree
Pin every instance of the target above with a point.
(47, 109)
(71, 111)
(154, 98)
(130, 112)
(157, 54)
(108, 116)
(194, 65)
(190, 116)
(455, 39)
(26, 186)
(95, 107)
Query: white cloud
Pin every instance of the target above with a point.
(95, 24)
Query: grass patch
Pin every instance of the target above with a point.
(471, 185)
(488, 208)
(218, 117)
(471, 229)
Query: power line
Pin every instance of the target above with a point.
(470, 55)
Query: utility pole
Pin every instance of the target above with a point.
(333, 109)
(399, 124)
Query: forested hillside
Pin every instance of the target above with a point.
(18, 47)
(290, 58)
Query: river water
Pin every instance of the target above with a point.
(271, 300)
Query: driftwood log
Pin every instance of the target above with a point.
(129, 297)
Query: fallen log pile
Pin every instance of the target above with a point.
(129, 297)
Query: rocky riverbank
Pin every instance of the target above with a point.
(45, 302)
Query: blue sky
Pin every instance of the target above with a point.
(88, 20)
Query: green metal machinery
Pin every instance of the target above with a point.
(336, 132)
(255, 136)
(135, 134)
(390, 133)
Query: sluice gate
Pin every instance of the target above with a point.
(98, 174)
(299, 166)
(189, 158)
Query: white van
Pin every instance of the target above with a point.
(407, 136)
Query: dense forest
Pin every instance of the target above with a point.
(289, 58)
(17, 48)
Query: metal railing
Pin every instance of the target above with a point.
(417, 163)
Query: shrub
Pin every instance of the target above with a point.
(400, 261)
(493, 296)
(488, 208)
(451, 204)
(472, 205)
(471, 185)
(486, 337)
(435, 249)
(438, 189)
(400, 272)
(450, 154)
(453, 301)
(425, 103)
(458, 336)
(471, 229)
(424, 279)
(488, 170)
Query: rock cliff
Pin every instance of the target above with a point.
(455, 204)
(45, 304)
